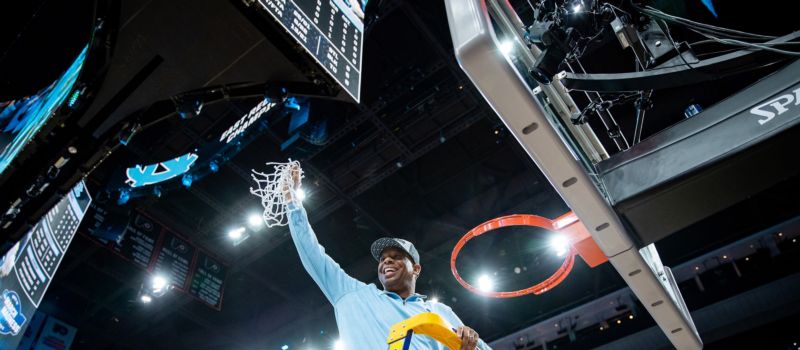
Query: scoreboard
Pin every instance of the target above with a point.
(332, 31)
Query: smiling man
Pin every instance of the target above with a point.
(365, 313)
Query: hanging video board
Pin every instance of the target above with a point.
(27, 269)
(332, 31)
(21, 120)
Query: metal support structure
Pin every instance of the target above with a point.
(507, 92)
(642, 105)
(556, 93)
(609, 123)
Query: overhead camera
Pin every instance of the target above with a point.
(558, 43)
(562, 28)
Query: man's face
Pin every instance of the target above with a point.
(396, 271)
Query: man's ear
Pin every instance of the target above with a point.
(417, 269)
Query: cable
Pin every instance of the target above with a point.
(531, 5)
(703, 29)
(747, 44)
(661, 14)
(687, 22)
(708, 41)
(714, 53)
(674, 45)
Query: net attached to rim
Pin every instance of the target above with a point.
(272, 188)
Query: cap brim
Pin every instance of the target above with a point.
(381, 244)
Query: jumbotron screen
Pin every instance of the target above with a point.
(21, 119)
(332, 31)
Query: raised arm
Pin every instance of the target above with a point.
(330, 277)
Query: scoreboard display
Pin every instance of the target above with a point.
(332, 31)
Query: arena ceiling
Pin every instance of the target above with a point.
(423, 158)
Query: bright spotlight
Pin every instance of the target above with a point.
(506, 47)
(255, 221)
(434, 300)
(159, 283)
(560, 244)
(301, 195)
(285, 347)
(577, 6)
(485, 283)
(146, 299)
(236, 233)
(338, 345)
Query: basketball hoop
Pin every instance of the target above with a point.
(580, 243)
(272, 188)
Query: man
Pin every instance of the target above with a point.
(364, 313)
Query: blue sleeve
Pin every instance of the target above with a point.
(328, 275)
(453, 319)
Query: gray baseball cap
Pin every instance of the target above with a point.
(387, 242)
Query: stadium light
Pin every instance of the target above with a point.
(255, 221)
(236, 233)
(485, 283)
(159, 283)
(560, 244)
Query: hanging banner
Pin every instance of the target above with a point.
(208, 280)
(56, 335)
(27, 269)
(175, 257)
(154, 248)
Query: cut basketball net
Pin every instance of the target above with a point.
(276, 191)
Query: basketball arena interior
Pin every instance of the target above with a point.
(559, 174)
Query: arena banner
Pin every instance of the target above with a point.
(27, 269)
(155, 248)
(56, 335)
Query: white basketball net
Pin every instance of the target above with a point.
(271, 189)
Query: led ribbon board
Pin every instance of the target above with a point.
(139, 176)
(332, 31)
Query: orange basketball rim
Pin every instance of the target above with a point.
(580, 243)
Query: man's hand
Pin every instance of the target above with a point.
(288, 191)
(469, 338)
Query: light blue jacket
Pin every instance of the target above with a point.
(364, 313)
